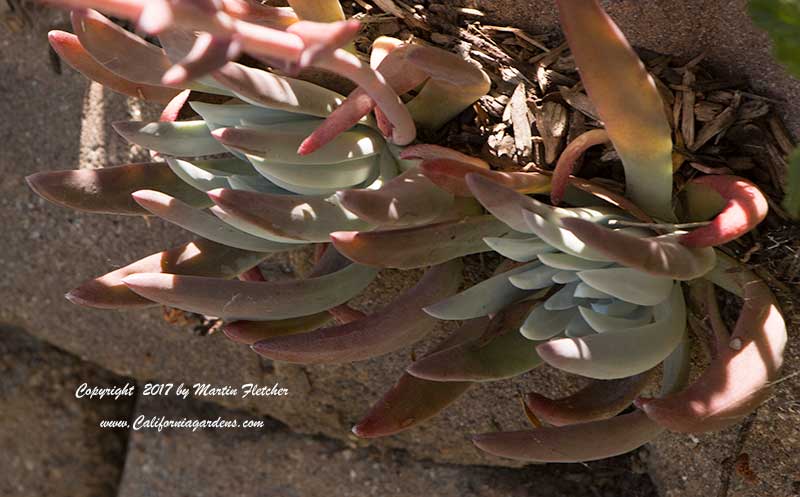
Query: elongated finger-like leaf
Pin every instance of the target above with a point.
(502, 353)
(428, 152)
(207, 175)
(387, 57)
(246, 300)
(526, 215)
(603, 323)
(250, 332)
(574, 443)
(628, 284)
(69, 48)
(412, 400)
(180, 138)
(398, 325)
(487, 297)
(519, 249)
(450, 175)
(278, 142)
(422, 246)
(108, 190)
(745, 209)
(407, 200)
(600, 399)
(454, 85)
(568, 158)
(203, 224)
(302, 218)
(269, 90)
(622, 353)
(660, 256)
(543, 324)
(537, 277)
(611, 197)
(142, 62)
(199, 258)
(627, 100)
(738, 380)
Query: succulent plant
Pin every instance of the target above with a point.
(598, 285)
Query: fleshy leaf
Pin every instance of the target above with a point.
(69, 48)
(487, 297)
(198, 258)
(400, 324)
(659, 256)
(600, 399)
(407, 200)
(622, 353)
(269, 90)
(409, 248)
(627, 101)
(630, 285)
(501, 353)
(450, 175)
(454, 85)
(519, 249)
(428, 152)
(250, 332)
(411, 400)
(203, 224)
(574, 443)
(543, 324)
(246, 300)
(207, 175)
(180, 138)
(745, 209)
(568, 158)
(297, 217)
(108, 190)
(738, 380)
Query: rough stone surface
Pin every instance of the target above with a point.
(226, 461)
(51, 442)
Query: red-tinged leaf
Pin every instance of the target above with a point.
(247, 300)
(659, 256)
(250, 332)
(359, 104)
(568, 158)
(106, 42)
(500, 354)
(411, 401)
(450, 175)
(250, 11)
(173, 109)
(573, 443)
(69, 48)
(627, 101)
(746, 208)
(738, 380)
(208, 54)
(408, 200)
(108, 190)
(600, 399)
(400, 324)
(201, 258)
(321, 39)
(426, 152)
(422, 246)
(611, 197)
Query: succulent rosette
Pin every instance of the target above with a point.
(600, 286)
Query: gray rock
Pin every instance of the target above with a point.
(52, 442)
(272, 461)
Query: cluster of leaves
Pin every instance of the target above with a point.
(598, 287)
(781, 19)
